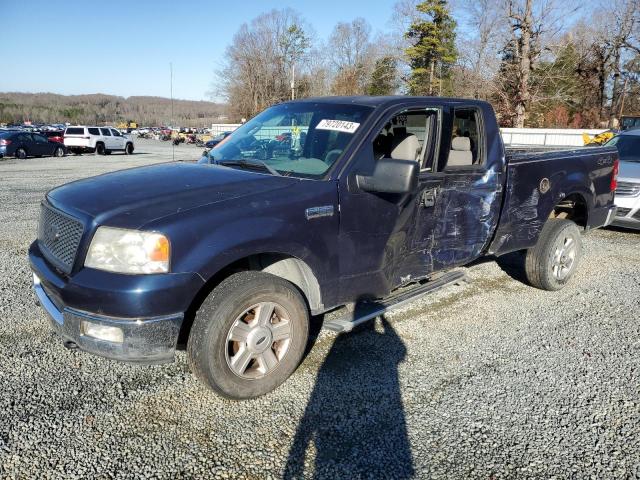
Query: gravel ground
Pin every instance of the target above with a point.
(489, 379)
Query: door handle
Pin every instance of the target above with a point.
(429, 197)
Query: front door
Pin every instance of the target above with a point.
(377, 229)
(108, 138)
(41, 145)
(118, 140)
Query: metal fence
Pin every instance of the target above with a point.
(546, 137)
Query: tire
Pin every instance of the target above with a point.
(551, 263)
(128, 149)
(254, 363)
(21, 153)
(58, 152)
(100, 150)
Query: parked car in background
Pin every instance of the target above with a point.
(217, 139)
(628, 192)
(99, 140)
(21, 144)
(629, 122)
(55, 136)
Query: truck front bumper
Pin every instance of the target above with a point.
(131, 318)
(141, 340)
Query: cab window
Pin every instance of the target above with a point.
(466, 140)
(407, 137)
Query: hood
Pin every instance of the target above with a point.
(131, 198)
(629, 172)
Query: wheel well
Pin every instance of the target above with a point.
(572, 207)
(288, 267)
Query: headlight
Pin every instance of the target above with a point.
(128, 251)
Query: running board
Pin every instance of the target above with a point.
(369, 310)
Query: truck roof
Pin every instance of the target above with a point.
(372, 101)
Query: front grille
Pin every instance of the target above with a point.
(622, 212)
(59, 237)
(628, 189)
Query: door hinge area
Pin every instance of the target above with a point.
(429, 197)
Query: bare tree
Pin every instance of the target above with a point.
(352, 56)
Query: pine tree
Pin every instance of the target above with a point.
(384, 77)
(433, 52)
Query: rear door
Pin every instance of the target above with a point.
(461, 193)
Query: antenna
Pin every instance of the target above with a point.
(173, 147)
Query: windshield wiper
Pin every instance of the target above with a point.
(251, 163)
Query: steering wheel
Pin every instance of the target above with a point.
(335, 153)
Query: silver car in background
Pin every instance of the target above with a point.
(628, 192)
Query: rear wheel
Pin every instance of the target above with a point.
(553, 261)
(100, 150)
(249, 335)
(21, 153)
(58, 152)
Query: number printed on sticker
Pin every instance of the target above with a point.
(338, 125)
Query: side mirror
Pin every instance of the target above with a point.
(391, 176)
(205, 159)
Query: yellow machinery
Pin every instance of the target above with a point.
(599, 139)
(127, 126)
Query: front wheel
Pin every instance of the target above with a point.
(553, 261)
(128, 150)
(249, 335)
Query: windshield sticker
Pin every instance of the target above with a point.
(338, 126)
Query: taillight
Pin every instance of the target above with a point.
(614, 175)
(5, 142)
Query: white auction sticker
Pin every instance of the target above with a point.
(338, 126)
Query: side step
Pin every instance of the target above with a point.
(344, 320)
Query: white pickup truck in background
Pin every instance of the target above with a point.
(99, 140)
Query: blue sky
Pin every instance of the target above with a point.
(124, 48)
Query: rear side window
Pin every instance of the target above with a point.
(105, 132)
(466, 141)
(74, 131)
(94, 131)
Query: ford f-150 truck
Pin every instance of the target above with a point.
(370, 203)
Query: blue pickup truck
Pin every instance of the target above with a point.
(344, 207)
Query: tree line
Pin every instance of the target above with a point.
(100, 109)
(541, 63)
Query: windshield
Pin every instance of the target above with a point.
(628, 147)
(298, 139)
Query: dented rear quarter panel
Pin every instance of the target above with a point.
(586, 172)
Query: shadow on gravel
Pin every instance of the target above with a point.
(355, 418)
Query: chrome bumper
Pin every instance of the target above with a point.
(142, 340)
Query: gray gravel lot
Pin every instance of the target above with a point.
(490, 379)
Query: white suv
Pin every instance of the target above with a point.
(101, 140)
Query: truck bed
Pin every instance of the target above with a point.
(539, 182)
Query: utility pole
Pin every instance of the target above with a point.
(293, 79)
(173, 147)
